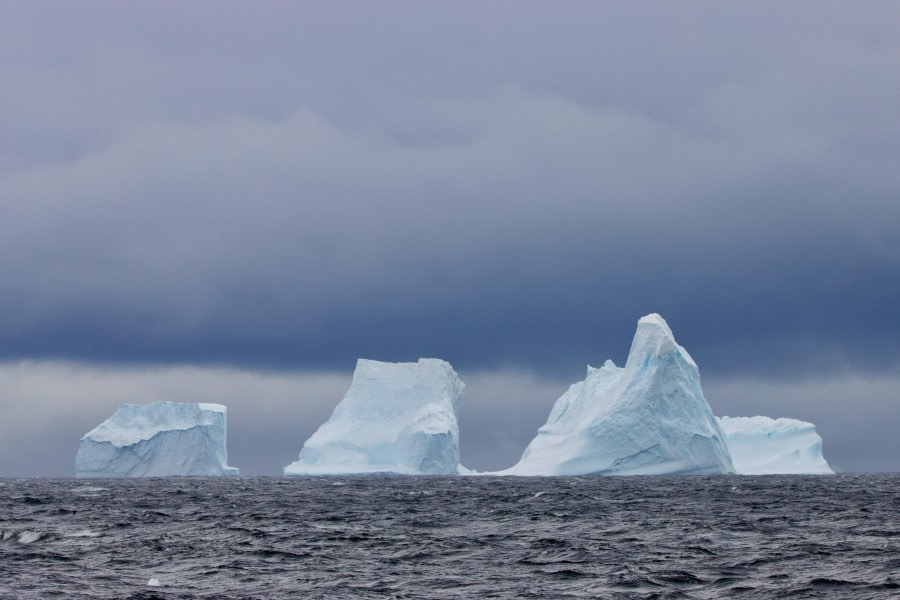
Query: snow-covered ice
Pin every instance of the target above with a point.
(157, 440)
(396, 418)
(762, 445)
(648, 417)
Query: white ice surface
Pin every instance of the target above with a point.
(766, 446)
(648, 417)
(132, 423)
(157, 440)
(395, 418)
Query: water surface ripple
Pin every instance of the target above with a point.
(463, 537)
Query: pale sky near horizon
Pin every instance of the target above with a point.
(213, 201)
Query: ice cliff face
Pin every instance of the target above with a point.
(765, 446)
(649, 417)
(396, 418)
(157, 440)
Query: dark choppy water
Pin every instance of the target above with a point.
(655, 537)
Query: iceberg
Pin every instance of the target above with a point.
(646, 418)
(766, 446)
(396, 418)
(161, 439)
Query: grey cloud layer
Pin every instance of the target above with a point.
(494, 185)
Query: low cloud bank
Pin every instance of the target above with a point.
(48, 406)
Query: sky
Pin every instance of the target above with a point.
(223, 202)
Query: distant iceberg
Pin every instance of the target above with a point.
(157, 440)
(647, 418)
(396, 418)
(766, 446)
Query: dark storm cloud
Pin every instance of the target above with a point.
(297, 186)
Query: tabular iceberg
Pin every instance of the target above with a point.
(396, 418)
(157, 440)
(649, 417)
(766, 446)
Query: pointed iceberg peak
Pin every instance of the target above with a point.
(654, 339)
(656, 320)
(648, 418)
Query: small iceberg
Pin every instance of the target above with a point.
(766, 446)
(161, 439)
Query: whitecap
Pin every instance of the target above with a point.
(86, 533)
(154, 582)
(29, 537)
(89, 489)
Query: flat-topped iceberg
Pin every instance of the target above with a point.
(766, 446)
(161, 439)
(646, 418)
(396, 418)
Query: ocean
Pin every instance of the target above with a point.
(452, 537)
